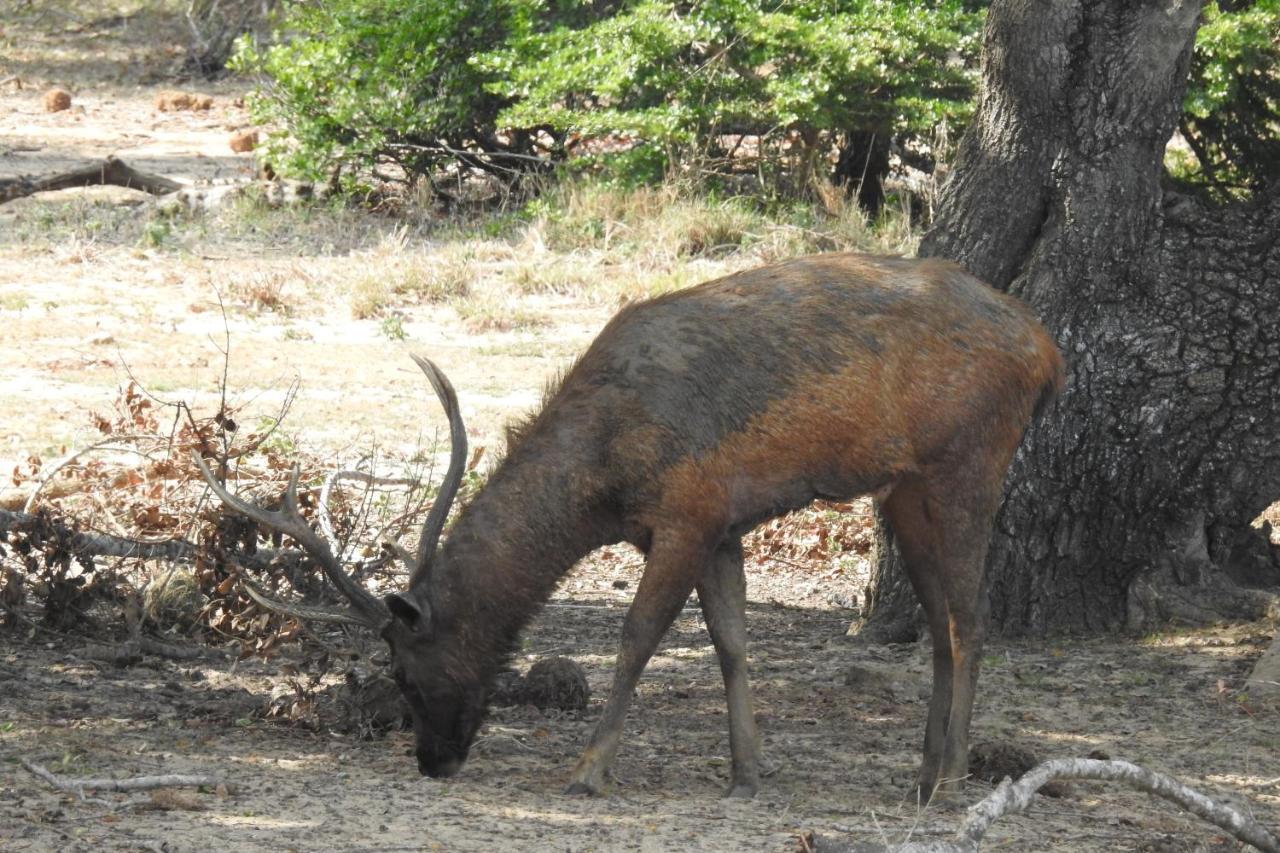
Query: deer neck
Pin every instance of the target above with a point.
(509, 548)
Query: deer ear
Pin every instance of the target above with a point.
(409, 611)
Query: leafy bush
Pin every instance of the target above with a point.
(646, 83)
(362, 82)
(1231, 115)
(770, 88)
(786, 77)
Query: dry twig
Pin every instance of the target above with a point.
(78, 786)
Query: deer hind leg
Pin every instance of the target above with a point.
(942, 526)
(673, 565)
(907, 512)
(722, 590)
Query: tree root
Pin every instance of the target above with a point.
(1159, 599)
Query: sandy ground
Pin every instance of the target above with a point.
(82, 309)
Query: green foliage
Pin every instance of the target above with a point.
(682, 76)
(1231, 114)
(362, 81)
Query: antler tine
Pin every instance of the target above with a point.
(289, 521)
(402, 554)
(302, 611)
(434, 524)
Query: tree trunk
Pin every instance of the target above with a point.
(862, 166)
(1133, 495)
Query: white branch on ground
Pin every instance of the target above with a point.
(1013, 797)
(78, 786)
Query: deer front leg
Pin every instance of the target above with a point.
(722, 591)
(668, 579)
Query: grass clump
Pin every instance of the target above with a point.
(490, 310)
(264, 293)
(665, 222)
(399, 275)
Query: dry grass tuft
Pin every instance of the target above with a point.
(264, 292)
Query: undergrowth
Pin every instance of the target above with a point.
(579, 240)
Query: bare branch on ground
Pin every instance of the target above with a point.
(110, 172)
(77, 785)
(106, 545)
(1013, 797)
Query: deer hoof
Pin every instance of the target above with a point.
(581, 789)
(742, 791)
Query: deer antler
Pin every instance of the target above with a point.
(367, 610)
(432, 527)
(305, 612)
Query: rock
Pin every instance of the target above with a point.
(557, 683)
(172, 101)
(244, 141)
(56, 100)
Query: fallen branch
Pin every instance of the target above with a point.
(111, 172)
(106, 545)
(99, 544)
(131, 652)
(50, 471)
(78, 786)
(1016, 796)
(1013, 797)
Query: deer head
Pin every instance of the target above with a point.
(446, 698)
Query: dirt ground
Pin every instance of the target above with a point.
(841, 726)
(93, 289)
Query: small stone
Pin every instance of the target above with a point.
(557, 683)
(56, 100)
(244, 141)
(173, 101)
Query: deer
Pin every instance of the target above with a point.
(690, 419)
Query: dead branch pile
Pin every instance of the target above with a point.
(85, 532)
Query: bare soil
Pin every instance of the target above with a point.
(841, 723)
(83, 306)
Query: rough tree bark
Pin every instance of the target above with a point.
(1130, 503)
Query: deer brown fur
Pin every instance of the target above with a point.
(695, 416)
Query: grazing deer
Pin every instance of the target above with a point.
(692, 418)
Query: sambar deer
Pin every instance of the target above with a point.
(692, 418)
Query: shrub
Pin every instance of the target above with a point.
(1231, 113)
(783, 77)
(362, 82)
(641, 85)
